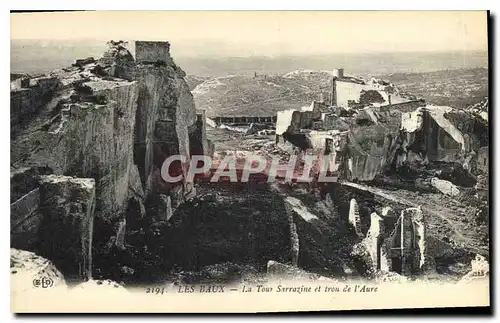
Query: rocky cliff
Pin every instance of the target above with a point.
(166, 115)
(113, 121)
(381, 140)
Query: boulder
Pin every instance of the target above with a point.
(445, 187)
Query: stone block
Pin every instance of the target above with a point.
(67, 205)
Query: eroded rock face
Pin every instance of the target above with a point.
(29, 99)
(26, 267)
(166, 116)
(445, 187)
(442, 134)
(67, 205)
(294, 237)
(117, 61)
(86, 130)
(113, 120)
(94, 286)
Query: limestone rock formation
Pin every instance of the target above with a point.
(166, 118)
(294, 236)
(442, 134)
(117, 61)
(29, 99)
(445, 187)
(111, 121)
(67, 205)
(387, 211)
(90, 135)
(354, 218)
(120, 234)
(25, 220)
(395, 248)
(368, 142)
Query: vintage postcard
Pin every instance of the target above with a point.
(249, 161)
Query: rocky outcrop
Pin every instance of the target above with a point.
(67, 206)
(294, 237)
(445, 187)
(117, 61)
(25, 220)
(165, 211)
(166, 116)
(87, 130)
(480, 108)
(102, 128)
(29, 271)
(354, 218)
(372, 141)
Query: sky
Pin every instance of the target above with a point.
(269, 32)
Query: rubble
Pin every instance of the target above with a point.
(117, 62)
(102, 128)
(107, 125)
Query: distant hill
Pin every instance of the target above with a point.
(265, 95)
(262, 95)
(449, 78)
(457, 88)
